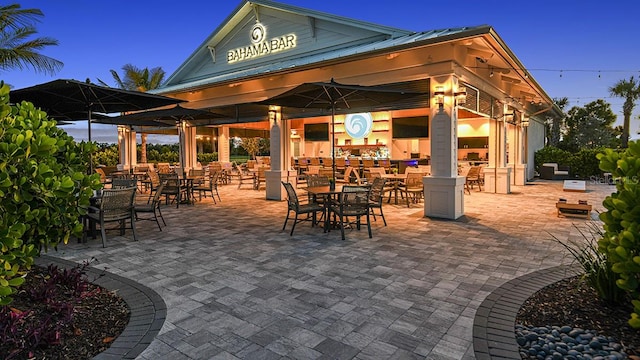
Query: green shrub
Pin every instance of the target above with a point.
(596, 266)
(551, 154)
(585, 164)
(207, 158)
(107, 154)
(44, 188)
(621, 239)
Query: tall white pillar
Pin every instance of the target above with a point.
(281, 167)
(497, 175)
(223, 144)
(519, 162)
(444, 189)
(127, 147)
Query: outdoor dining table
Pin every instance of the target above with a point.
(395, 180)
(186, 182)
(330, 195)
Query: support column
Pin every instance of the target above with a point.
(497, 176)
(191, 147)
(223, 144)
(127, 147)
(444, 189)
(519, 165)
(280, 150)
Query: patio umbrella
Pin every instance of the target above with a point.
(164, 117)
(339, 97)
(76, 100)
(169, 117)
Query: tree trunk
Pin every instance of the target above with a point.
(143, 148)
(624, 139)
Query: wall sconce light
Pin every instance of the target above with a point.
(461, 95)
(272, 113)
(508, 117)
(439, 96)
(524, 122)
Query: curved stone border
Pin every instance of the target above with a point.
(148, 310)
(494, 323)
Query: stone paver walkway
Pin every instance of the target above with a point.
(237, 287)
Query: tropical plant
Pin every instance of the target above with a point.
(253, 145)
(629, 90)
(554, 124)
(142, 80)
(596, 267)
(44, 189)
(205, 158)
(589, 127)
(107, 154)
(621, 239)
(18, 50)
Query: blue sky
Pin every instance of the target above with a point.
(573, 49)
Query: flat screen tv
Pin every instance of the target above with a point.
(316, 132)
(410, 127)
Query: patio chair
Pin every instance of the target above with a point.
(341, 164)
(198, 178)
(171, 188)
(210, 186)
(473, 178)
(260, 177)
(293, 205)
(244, 177)
(376, 196)
(124, 182)
(353, 202)
(103, 177)
(385, 164)
(412, 188)
(164, 168)
(115, 205)
(152, 207)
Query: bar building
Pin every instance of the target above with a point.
(479, 103)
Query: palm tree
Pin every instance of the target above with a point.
(556, 124)
(138, 80)
(16, 49)
(630, 91)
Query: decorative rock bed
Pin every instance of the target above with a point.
(566, 343)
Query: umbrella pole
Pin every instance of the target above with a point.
(333, 141)
(89, 136)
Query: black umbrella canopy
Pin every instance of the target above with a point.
(76, 100)
(164, 117)
(340, 97)
(336, 96)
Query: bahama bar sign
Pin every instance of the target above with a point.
(260, 46)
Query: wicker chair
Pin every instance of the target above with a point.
(353, 203)
(115, 205)
(124, 182)
(244, 177)
(293, 205)
(260, 177)
(376, 196)
(210, 186)
(171, 188)
(152, 207)
(412, 187)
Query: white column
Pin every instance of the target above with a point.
(191, 146)
(127, 147)
(497, 175)
(223, 144)
(444, 189)
(281, 168)
(520, 166)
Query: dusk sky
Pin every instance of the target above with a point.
(573, 49)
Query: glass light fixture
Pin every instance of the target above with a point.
(439, 96)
